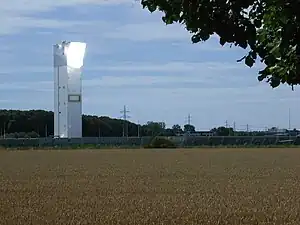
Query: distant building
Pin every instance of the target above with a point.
(276, 131)
(202, 133)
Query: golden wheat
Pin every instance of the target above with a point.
(136, 187)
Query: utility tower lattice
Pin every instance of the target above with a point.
(189, 118)
(125, 123)
(289, 119)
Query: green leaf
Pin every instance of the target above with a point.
(261, 78)
(204, 35)
(253, 54)
(222, 41)
(240, 60)
(257, 23)
(249, 61)
(196, 38)
(243, 44)
(152, 7)
(270, 60)
(167, 20)
(274, 82)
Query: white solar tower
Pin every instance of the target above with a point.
(68, 64)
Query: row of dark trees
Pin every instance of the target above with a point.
(39, 123)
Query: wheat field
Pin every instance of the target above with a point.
(143, 187)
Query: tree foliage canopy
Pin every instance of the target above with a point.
(268, 28)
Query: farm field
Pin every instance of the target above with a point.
(143, 187)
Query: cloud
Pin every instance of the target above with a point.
(149, 31)
(208, 46)
(16, 15)
(171, 67)
(19, 15)
(169, 75)
(170, 88)
(26, 86)
(6, 101)
(16, 24)
(32, 6)
(177, 66)
(25, 69)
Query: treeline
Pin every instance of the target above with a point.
(40, 123)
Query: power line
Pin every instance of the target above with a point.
(247, 127)
(138, 129)
(124, 112)
(189, 119)
(289, 118)
(234, 128)
(125, 123)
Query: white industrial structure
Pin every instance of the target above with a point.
(68, 64)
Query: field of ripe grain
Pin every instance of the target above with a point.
(136, 187)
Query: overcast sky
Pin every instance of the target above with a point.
(134, 59)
